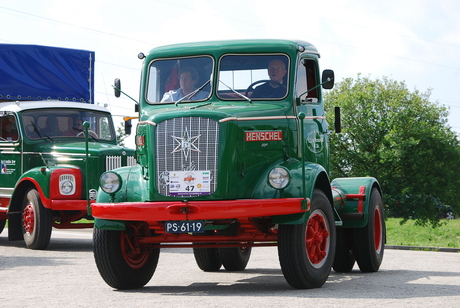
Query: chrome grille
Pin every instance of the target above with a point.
(114, 162)
(186, 144)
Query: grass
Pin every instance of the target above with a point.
(408, 234)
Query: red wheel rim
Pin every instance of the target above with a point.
(317, 239)
(135, 254)
(28, 218)
(377, 230)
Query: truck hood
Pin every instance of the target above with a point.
(78, 148)
(217, 111)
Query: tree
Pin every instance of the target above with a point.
(399, 137)
(121, 136)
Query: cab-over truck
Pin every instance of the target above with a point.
(232, 153)
(46, 94)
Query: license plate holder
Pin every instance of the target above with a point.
(184, 226)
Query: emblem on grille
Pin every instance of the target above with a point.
(186, 144)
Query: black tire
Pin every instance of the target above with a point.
(234, 258)
(207, 259)
(37, 221)
(121, 263)
(308, 266)
(2, 225)
(369, 242)
(344, 259)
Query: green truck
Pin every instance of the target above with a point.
(232, 153)
(49, 170)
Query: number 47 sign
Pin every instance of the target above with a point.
(192, 183)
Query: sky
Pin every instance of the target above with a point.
(412, 41)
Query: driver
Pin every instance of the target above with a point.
(276, 72)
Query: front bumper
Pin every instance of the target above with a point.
(198, 210)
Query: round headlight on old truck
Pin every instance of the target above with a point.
(110, 182)
(279, 178)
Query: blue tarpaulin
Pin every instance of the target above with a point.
(34, 72)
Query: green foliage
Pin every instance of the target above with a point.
(121, 136)
(409, 233)
(399, 137)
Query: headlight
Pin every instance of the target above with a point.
(279, 178)
(67, 184)
(110, 182)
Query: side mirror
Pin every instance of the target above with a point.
(128, 127)
(117, 87)
(328, 79)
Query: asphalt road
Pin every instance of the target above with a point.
(65, 275)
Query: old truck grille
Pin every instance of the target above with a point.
(186, 156)
(113, 162)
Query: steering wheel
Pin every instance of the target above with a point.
(91, 132)
(251, 86)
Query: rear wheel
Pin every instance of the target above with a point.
(234, 258)
(369, 242)
(207, 259)
(306, 251)
(37, 221)
(122, 261)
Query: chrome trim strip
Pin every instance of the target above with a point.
(147, 122)
(269, 118)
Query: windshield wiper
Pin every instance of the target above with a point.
(36, 130)
(192, 94)
(236, 92)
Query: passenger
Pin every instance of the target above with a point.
(276, 89)
(188, 78)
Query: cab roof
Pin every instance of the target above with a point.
(233, 46)
(18, 106)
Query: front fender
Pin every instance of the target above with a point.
(314, 173)
(133, 186)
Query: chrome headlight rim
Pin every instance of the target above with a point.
(279, 178)
(66, 187)
(110, 182)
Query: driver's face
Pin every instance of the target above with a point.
(276, 70)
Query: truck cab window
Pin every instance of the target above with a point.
(184, 79)
(8, 128)
(307, 80)
(259, 77)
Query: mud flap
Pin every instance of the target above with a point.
(14, 227)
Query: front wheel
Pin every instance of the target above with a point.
(306, 251)
(369, 241)
(123, 262)
(37, 221)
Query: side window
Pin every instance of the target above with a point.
(306, 81)
(8, 128)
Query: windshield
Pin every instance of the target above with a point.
(179, 79)
(51, 123)
(255, 77)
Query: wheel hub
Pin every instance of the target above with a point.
(135, 255)
(28, 219)
(316, 239)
